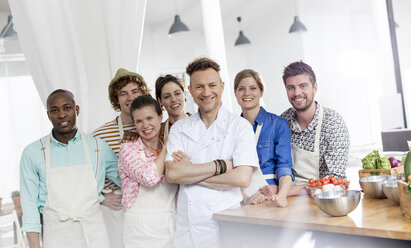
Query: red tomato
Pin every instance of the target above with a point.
(311, 181)
(334, 181)
(409, 178)
(340, 180)
(319, 184)
(326, 181)
(323, 179)
(331, 178)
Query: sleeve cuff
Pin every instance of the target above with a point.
(283, 171)
(31, 228)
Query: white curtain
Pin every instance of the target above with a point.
(78, 45)
(24, 122)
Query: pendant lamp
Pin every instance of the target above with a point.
(297, 25)
(8, 30)
(242, 39)
(178, 26)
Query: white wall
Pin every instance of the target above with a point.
(402, 11)
(347, 44)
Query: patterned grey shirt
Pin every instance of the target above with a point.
(334, 140)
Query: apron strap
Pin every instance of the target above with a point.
(318, 130)
(257, 133)
(86, 151)
(43, 148)
(97, 157)
(167, 124)
(47, 152)
(120, 126)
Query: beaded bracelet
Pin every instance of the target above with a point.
(215, 162)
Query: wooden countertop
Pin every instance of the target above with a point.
(372, 217)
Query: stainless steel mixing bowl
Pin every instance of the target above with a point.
(339, 202)
(390, 189)
(372, 186)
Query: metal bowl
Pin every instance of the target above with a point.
(394, 177)
(372, 186)
(339, 202)
(390, 189)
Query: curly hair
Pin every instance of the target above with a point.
(202, 64)
(115, 88)
(248, 73)
(297, 68)
(163, 80)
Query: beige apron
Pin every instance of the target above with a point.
(258, 179)
(72, 216)
(114, 218)
(306, 164)
(150, 222)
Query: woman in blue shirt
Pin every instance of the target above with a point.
(272, 138)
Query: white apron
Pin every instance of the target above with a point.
(71, 215)
(166, 129)
(150, 222)
(114, 218)
(306, 164)
(258, 179)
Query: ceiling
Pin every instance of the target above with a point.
(160, 12)
(163, 11)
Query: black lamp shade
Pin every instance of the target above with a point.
(297, 26)
(178, 26)
(242, 40)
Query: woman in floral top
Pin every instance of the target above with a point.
(149, 219)
(171, 95)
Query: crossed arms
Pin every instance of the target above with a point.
(180, 170)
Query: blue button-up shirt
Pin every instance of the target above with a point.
(33, 188)
(273, 146)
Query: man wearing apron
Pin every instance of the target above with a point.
(61, 176)
(319, 137)
(123, 89)
(209, 135)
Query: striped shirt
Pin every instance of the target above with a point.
(110, 133)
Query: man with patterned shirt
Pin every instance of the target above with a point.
(319, 137)
(123, 89)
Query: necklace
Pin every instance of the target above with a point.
(157, 150)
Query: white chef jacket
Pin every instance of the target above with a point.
(230, 137)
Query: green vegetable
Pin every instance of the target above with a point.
(407, 166)
(371, 161)
(384, 163)
(403, 159)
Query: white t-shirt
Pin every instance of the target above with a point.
(230, 137)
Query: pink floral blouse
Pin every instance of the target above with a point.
(136, 166)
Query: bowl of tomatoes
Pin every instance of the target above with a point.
(326, 184)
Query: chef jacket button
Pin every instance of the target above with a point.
(259, 146)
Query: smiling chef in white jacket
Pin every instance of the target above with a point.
(211, 155)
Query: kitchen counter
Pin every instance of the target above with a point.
(372, 218)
